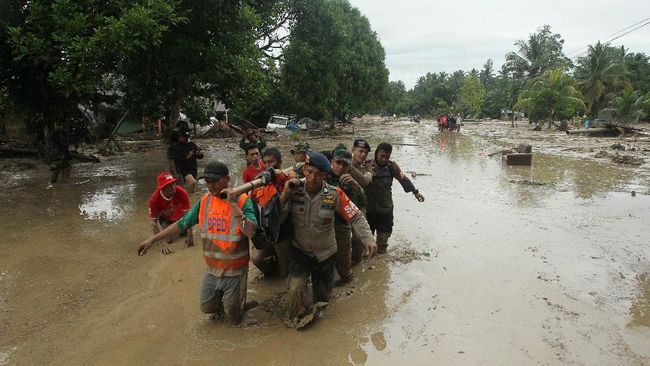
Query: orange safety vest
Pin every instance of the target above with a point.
(224, 244)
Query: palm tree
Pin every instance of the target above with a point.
(599, 73)
(553, 95)
(541, 52)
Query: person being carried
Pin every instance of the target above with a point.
(255, 164)
(380, 195)
(272, 259)
(182, 157)
(168, 203)
(340, 177)
(313, 248)
(226, 226)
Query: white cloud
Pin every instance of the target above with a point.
(422, 36)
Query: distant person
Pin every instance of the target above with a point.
(226, 226)
(58, 145)
(168, 203)
(253, 136)
(255, 164)
(182, 157)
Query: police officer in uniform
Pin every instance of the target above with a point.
(313, 206)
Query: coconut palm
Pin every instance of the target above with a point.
(541, 52)
(599, 73)
(552, 96)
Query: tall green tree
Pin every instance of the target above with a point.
(334, 64)
(56, 54)
(472, 93)
(552, 96)
(542, 51)
(599, 73)
(638, 68)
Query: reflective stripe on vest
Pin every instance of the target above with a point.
(223, 251)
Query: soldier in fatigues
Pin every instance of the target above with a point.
(380, 195)
(340, 177)
(313, 248)
(361, 171)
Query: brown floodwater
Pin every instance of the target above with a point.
(547, 264)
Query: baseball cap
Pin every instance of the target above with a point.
(319, 161)
(165, 179)
(215, 169)
(342, 155)
(361, 143)
(301, 146)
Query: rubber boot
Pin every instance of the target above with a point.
(382, 242)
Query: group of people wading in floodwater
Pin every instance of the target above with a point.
(449, 122)
(325, 213)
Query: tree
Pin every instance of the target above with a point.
(56, 54)
(541, 52)
(471, 99)
(629, 105)
(600, 73)
(334, 64)
(638, 67)
(552, 96)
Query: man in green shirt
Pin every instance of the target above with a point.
(225, 226)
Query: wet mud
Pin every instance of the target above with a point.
(547, 264)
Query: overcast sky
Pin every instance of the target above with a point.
(422, 36)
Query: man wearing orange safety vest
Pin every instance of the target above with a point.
(225, 227)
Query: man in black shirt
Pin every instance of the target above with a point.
(58, 145)
(182, 157)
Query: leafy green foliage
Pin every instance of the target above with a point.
(599, 73)
(541, 52)
(552, 96)
(472, 93)
(334, 64)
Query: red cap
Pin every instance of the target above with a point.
(165, 179)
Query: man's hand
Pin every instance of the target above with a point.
(371, 249)
(190, 154)
(165, 248)
(189, 241)
(291, 185)
(347, 179)
(144, 246)
(419, 197)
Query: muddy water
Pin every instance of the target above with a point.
(489, 270)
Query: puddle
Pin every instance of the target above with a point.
(108, 204)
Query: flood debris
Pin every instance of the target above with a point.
(628, 160)
(528, 182)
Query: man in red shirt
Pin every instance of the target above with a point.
(256, 165)
(166, 206)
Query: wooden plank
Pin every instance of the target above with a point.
(519, 159)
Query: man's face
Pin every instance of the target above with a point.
(339, 167)
(313, 178)
(183, 139)
(271, 161)
(300, 156)
(382, 157)
(169, 190)
(216, 185)
(359, 154)
(253, 155)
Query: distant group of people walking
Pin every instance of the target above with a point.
(449, 122)
(324, 213)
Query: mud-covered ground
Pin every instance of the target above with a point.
(547, 264)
